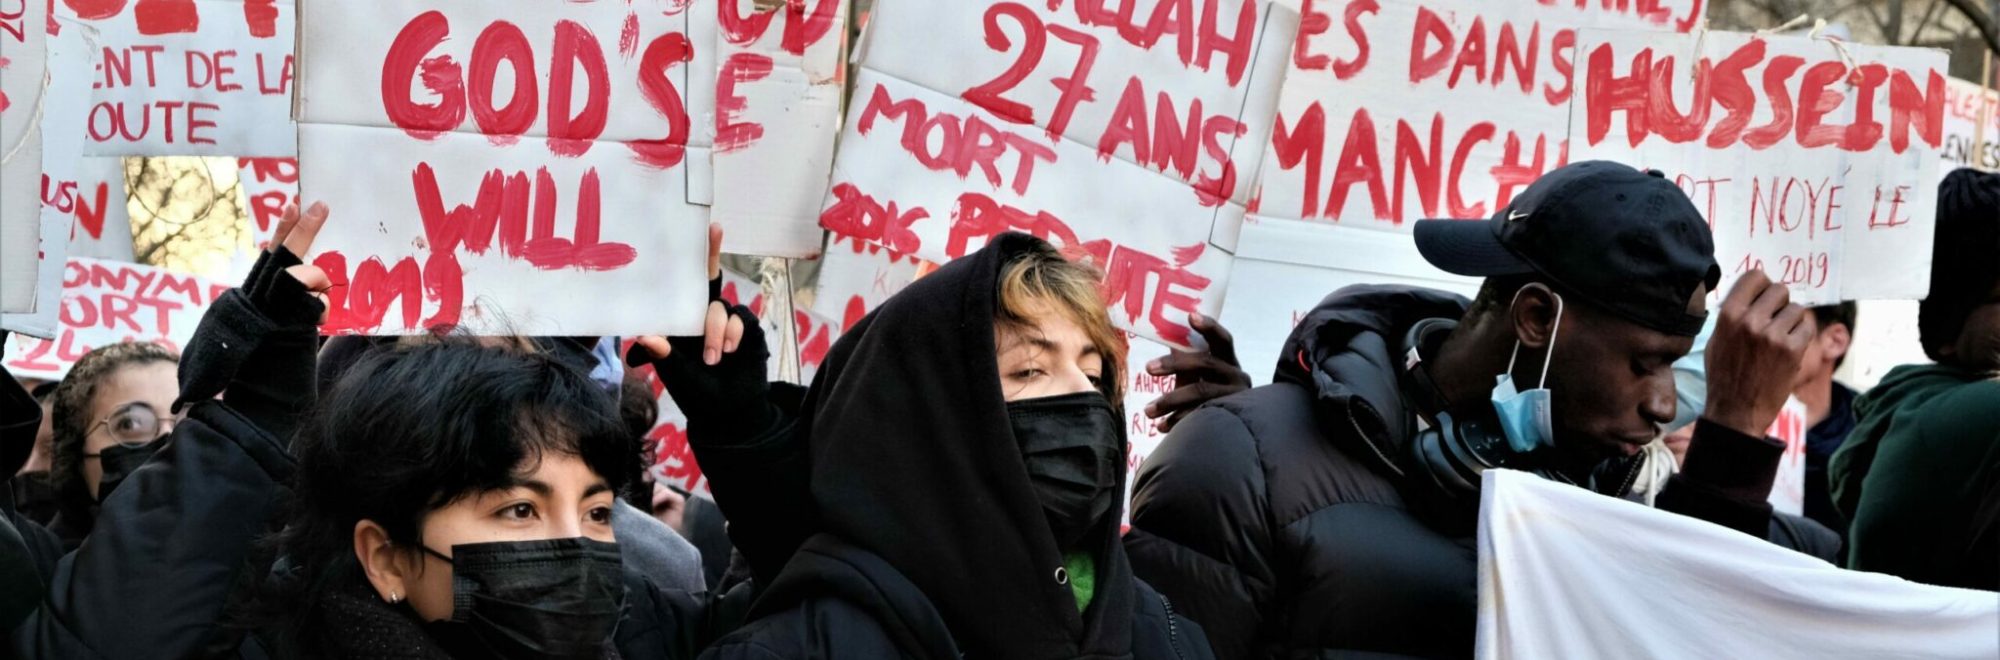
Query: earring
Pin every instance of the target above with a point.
(395, 597)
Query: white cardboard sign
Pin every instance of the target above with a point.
(23, 68)
(1966, 107)
(1399, 110)
(532, 185)
(190, 77)
(268, 185)
(777, 111)
(70, 51)
(1813, 161)
(106, 302)
(1118, 137)
(1284, 268)
(1141, 388)
(855, 276)
(103, 228)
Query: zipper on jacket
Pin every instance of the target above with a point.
(1173, 631)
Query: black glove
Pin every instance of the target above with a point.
(726, 402)
(241, 321)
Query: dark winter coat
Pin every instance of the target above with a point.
(1287, 519)
(931, 542)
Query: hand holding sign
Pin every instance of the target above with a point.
(725, 391)
(1198, 376)
(1754, 355)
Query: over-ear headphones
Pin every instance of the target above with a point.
(1455, 452)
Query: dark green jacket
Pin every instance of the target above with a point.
(1910, 475)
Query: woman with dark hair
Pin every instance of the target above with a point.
(106, 417)
(457, 498)
(448, 498)
(966, 461)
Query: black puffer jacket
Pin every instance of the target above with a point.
(930, 540)
(1285, 519)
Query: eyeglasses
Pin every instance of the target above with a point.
(135, 425)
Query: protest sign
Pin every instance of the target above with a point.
(269, 185)
(70, 52)
(508, 125)
(1398, 110)
(1788, 490)
(1701, 590)
(103, 228)
(190, 77)
(1285, 267)
(1813, 160)
(1117, 134)
(1971, 127)
(23, 69)
(1141, 388)
(777, 112)
(106, 302)
(855, 276)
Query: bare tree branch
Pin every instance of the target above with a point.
(1981, 21)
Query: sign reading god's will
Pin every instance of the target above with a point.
(513, 167)
(1116, 133)
(1813, 160)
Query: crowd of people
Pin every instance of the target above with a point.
(950, 483)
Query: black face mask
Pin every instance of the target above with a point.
(35, 496)
(560, 598)
(119, 462)
(1074, 448)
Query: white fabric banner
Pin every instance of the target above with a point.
(1566, 573)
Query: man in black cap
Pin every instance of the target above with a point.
(1334, 511)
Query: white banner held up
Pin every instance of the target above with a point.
(106, 302)
(23, 70)
(1701, 591)
(1399, 110)
(191, 77)
(777, 112)
(504, 169)
(1814, 161)
(973, 119)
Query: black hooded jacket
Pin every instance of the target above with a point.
(931, 542)
(1292, 521)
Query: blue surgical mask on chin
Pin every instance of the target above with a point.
(1526, 418)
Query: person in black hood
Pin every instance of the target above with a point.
(1334, 510)
(966, 462)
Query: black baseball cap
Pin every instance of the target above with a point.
(1624, 240)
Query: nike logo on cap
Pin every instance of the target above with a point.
(1516, 215)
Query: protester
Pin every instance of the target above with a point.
(1332, 511)
(459, 498)
(174, 539)
(965, 468)
(21, 581)
(105, 418)
(1829, 406)
(1926, 449)
(33, 489)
